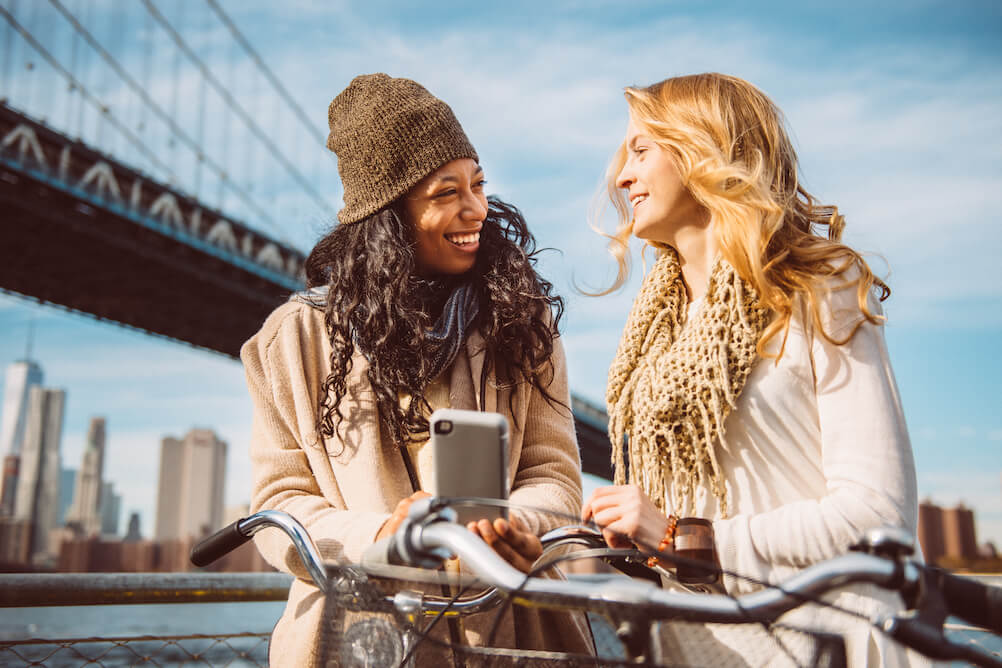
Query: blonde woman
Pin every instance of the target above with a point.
(752, 382)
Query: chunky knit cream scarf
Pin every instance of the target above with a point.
(673, 384)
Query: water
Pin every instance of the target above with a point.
(138, 620)
(133, 621)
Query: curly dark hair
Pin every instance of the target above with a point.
(378, 303)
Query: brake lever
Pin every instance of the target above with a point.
(929, 639)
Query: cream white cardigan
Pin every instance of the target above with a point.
(816, 452)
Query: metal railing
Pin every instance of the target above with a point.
(35, 596)
(26, 590)
(94, 593)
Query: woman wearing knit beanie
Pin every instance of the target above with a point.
(424, 296)
(752, 382)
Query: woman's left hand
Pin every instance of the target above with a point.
(509, 539)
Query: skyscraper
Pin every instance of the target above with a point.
(67, 485)
(190, 490)
(85, 513)
(111, 509)
(958, 532)
(21, 377)
(37, 499)
(946, 532)
(8, 484)
(133, 533)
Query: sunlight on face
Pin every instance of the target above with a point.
(447, 209)
(659, 199)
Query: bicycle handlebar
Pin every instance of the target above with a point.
(236, 534)
(970, 600)
(218, 544)
(428, 536)
(764, 605)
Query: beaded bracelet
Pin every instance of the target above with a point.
(667, 543)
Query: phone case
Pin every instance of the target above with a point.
(471, 459)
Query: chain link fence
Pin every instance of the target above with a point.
(236, 650)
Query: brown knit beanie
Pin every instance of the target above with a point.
(389, 134)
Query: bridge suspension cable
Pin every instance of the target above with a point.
(293, 105)
(85, 93)
(165, 117)
(228, 98)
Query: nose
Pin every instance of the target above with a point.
(625, 178)
(474, 207)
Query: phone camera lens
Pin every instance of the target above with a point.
(443, 426)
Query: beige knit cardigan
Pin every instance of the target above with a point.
(343, 490)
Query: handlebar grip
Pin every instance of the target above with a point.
(977, 603)
(382, 552)
(218, 544)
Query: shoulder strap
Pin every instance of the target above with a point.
(409, 465)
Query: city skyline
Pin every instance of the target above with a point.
(43, 501)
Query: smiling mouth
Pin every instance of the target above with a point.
(637, 200)
(463, 239)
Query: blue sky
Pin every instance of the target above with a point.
(896, 111)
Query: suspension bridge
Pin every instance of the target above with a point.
(144, 169)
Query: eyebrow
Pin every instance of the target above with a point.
(449, 178)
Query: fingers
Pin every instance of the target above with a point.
(390, 526)
(605, 497)
(616, 540)
(399, 514)
(587, 510)
(525, 543)
(519, 548)
(626, 516)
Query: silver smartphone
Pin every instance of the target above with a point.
(471, 459)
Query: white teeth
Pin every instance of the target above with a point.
(637, 200)
(462, 239)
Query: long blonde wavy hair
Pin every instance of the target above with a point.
(733, 154)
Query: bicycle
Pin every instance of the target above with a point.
(395, 621)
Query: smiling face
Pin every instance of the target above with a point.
(661, 203)
(447, 209)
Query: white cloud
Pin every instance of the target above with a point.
(966, 432)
